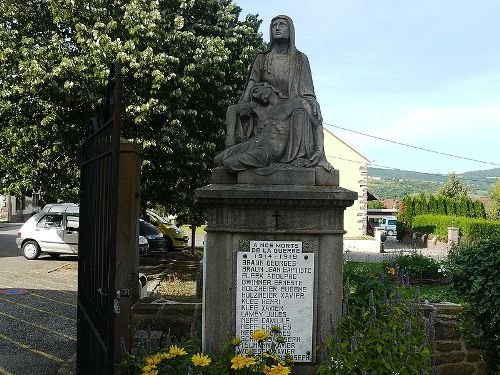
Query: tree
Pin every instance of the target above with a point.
(420, 202)
(184, 62)
(375, 204)
(432, 204)
(453, 188)
(493, 212)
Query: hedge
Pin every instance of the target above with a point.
(469, 228)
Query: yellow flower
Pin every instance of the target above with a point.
(176, 351)
(149, 370)
(250, 361)
(201, 360)
(166, 355)
(260, 335)
(235, 341)
(275, 357)
(241, 361)
(277, 370)
(391, 271)
(238, 362)
(153, 360)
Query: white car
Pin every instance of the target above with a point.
(54, 233)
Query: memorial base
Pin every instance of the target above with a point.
(242, 216)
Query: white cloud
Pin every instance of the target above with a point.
(462, 122)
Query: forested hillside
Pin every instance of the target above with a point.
(392, 183)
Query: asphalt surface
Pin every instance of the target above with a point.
(37, 309)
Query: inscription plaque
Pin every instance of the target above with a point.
(275, 284)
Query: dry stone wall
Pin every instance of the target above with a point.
(452, 354)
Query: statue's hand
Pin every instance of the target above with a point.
(316, 110)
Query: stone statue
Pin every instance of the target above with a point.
(277, 123)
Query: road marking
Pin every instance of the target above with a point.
(58, 284)
(54, 300)
(39, 326)
(31, 349)
(39, 310)
(48, 298)
(5, 372)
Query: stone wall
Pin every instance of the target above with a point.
(452, 355)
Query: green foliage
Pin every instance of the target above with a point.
(396, 184)
(364, 279)
(184, 62)
(420, 205)
(419, 267)
(494, 207)
(453, 188)
(384, 338)
(475, 276)
(375, 204)
(469, 227)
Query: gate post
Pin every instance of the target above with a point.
(127, 246)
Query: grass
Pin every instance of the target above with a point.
(177, 289)
(200, 231)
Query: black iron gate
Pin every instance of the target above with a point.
(97, 300)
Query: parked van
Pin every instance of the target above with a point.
(389, 224)
(386, 222)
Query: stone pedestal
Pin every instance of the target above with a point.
(453, 236)
(239, 213)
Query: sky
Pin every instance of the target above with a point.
(425, 73)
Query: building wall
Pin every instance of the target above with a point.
(18, 210)
(353, 175)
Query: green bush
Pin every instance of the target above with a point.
(391, 338)
(363, 279)
(469, 228)
(419, 267)
(475, 276)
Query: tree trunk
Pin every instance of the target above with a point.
(193, 238)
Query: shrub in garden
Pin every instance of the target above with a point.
(469, 228)
(418, 267)
(476, 277)
(362, 280)
(387, 338)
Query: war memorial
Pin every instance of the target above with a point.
(275, 210)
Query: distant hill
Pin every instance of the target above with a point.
(392, 183)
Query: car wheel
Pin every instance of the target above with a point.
(170, 244)
(54, 255)
(31, 250)
(390, 233)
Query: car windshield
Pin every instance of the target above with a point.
(146, 229)
(158, 217)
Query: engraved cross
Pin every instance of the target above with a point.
(276, 216)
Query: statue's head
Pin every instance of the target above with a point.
(281, 27)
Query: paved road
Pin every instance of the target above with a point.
(37, 329)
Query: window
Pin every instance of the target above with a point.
(73, 222)
(50, 221)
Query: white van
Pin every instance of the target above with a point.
(389, 224)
